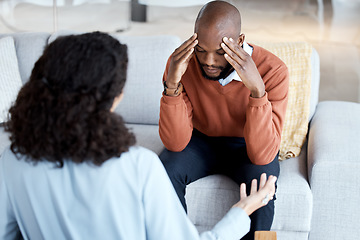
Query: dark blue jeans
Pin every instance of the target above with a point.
(205, 156)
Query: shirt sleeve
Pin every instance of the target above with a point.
(175, 122)
(165, 217)
(8, 226)
(265, 119)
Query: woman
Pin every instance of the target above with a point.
(72, 171)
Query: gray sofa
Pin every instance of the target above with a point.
(318, 191)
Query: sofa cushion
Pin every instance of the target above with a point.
(29, 47)
(333, 167)
(147, 136)
(297, 57)
(143, 90)
(10, 81)
(208, 199)
(294, 204)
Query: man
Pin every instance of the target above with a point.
(223, 107)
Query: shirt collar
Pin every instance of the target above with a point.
(233, 75)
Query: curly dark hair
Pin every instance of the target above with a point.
(63, 111)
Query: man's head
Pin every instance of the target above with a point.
(216, 20)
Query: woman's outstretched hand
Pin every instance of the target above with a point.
(258, 197)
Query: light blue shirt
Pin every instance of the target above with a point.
(130, 197)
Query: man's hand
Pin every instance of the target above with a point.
(244, 66)
(257, 198)
(179, 61)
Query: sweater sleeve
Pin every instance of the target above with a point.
(265, 119)
(175, 122)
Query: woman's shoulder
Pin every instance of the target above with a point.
(139, 156)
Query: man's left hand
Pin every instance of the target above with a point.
(244, 66)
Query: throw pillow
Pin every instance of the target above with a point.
(10, 80)
(297, 57)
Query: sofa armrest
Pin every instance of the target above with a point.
(333, 168)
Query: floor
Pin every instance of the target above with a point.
(331, 26)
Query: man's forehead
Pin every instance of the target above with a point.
(212, 38)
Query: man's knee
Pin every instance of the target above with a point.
(172, 163)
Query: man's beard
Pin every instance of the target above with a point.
(225, 71)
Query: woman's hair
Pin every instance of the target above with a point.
(63, 111)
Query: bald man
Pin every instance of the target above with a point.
(223, 107)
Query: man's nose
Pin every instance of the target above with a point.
(210, 59)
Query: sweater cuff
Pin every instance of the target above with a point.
(172, 100)
(258, 102)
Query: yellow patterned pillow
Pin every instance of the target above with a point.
(297, 57)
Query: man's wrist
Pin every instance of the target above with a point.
(258, 92)
(173, 91)
(171, 85)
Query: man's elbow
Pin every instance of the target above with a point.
(174, 145)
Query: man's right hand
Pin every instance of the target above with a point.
(179, 61)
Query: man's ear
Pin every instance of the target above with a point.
(241, 39)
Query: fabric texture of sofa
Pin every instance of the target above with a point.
(317, 195)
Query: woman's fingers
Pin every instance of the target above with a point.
(253, 186)
(243, 194)
(262, 180)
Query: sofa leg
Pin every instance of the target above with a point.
(265, 235)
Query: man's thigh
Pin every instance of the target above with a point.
(197, 160)
(242, 170)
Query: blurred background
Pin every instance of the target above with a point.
(331, 26)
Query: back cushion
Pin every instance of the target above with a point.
(29, 47)
(143, 90)
(10, 82)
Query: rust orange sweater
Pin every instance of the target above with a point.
(228, 110)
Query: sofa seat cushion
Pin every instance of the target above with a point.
(209, 198)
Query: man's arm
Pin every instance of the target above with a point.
(265, 113)
(175, 123)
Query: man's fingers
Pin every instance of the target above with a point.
(187, 55)
(231, 56)
(186, 44)
(235, 47)
(186, 52)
